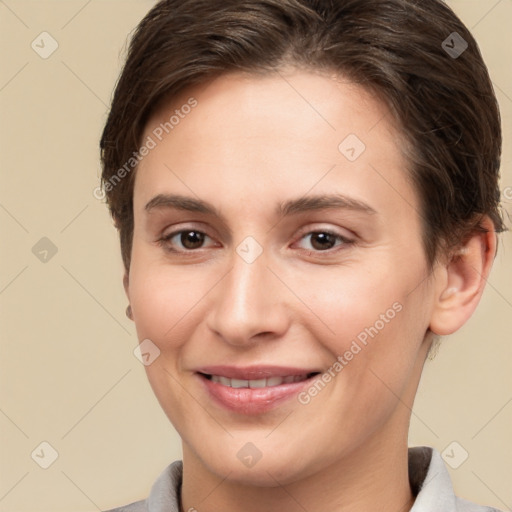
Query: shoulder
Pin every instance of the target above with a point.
(138, 506)
(432, 486)
(468, 506)
(164, 495)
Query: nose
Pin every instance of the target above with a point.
(249, 304)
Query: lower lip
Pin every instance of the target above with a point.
(252, 401)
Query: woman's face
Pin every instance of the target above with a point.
(278, 267)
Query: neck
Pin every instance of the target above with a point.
(372, 477)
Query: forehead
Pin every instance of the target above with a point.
(286, 132)
(314, 101)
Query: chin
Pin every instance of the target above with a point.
(248, 466)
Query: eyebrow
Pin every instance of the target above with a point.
(178, 202)
(324, 201)
(290, 207)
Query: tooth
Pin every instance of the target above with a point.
(258, 383)
(239, 383)
(224, 381)
(274, 381)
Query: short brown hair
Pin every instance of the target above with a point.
(412, 53)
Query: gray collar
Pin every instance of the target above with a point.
(429, 479)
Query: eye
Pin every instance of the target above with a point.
(323, 240)
(184, 240)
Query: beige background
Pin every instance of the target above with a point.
(68, 373)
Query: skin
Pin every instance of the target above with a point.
(250, 144)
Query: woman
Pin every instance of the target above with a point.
(307, 196)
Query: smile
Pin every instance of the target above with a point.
(253, 390)
(257, 383)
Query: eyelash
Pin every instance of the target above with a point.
(344, 241)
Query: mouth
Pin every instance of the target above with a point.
(258, 383)
(253, 390)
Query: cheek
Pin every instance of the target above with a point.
(374, 319)
(379, 326)
(162, 301)
(350, 299)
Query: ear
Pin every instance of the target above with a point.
(464, 276)
(126, 284)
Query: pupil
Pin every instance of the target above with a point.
(192, 239)
(322, 240)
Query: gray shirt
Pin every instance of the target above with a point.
(429, 479)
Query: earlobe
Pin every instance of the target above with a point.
(126, 285)
(465, 276)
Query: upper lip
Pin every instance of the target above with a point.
(254, 372)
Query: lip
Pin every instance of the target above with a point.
(255, 372)
(253, 401)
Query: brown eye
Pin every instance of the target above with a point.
(192, 239)
(322, 241)
(184, 240)
(318, 241)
